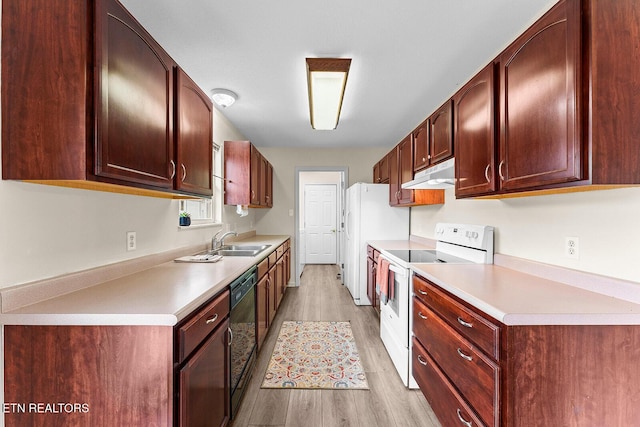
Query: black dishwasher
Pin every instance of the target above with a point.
(243, 334)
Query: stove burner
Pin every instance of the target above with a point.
(427, 256)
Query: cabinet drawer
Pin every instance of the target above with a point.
(474, 327)
(202, 323)
(474, 374)
(447, 404)
(263, 268)
(273, 257)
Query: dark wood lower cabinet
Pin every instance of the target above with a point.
(204, 384)
(542, 375)
(121, 375)
(88, 375)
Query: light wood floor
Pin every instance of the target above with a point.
(387, 403)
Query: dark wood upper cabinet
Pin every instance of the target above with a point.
(540, 138)
(194, 137)
(381, 171)
(475, 135)
(254, 171)
(248, 176)
(421, 146)
(405, 170)
(89, 99)
(441, 134)
(394, 177)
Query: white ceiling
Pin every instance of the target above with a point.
(409, 56)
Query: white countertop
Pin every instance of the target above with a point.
(161, 295)
(517, 298)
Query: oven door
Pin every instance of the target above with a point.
(394, 322)
(395, 312)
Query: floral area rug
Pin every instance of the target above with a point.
(320, 355)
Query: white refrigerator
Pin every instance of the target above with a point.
(368, 216)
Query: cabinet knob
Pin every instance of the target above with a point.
(429, 157)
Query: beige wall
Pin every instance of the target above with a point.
(606, 223)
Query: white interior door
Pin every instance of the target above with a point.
(320, 223)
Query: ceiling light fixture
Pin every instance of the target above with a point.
(223, 97)
(326, 81)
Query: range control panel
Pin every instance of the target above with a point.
(469, 235)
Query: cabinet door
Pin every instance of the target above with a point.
(254, 189)
(421, 146)
(279, 279)
(371, 280)
(262, 308)
(266, 182)
(441, 135)
(540, 140)
(394, 177)
(405, 164)
(474, 135)
(287, 267)
(272, 294)
(384, 169)
(194, 137)
(134, 101)
(204, 383)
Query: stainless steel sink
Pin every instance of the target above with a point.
(239, 250)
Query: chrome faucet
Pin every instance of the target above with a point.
(217, 243)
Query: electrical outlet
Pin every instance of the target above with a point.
(131, 241)
(572, 247)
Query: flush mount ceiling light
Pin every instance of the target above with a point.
(326, 81)
(223, 97)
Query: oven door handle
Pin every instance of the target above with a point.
(400, 271)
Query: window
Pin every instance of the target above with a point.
(207, 210)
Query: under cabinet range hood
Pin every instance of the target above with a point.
(439, 176)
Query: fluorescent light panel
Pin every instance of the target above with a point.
(326, 80)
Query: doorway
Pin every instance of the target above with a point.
(319, 225)
(311, 244)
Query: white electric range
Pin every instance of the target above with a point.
(456, 244)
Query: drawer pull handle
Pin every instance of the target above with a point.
(212, 319)
(464, 356)
(421, 360)
(465, 422)
(463, 323)
(422, 316)
(421, 292)
(230, 336)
